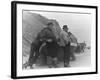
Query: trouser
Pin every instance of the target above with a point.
(66, 55)
(34, 53)
(52, 62)
(33, 57)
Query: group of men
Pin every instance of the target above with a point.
(52, 44)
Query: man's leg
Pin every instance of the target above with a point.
(49, 61)
(67, 55)
(55, 61)
(33, 57)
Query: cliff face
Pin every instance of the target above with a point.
(32, 24)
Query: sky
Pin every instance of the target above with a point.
(78, 24)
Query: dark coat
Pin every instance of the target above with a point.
(52, 49)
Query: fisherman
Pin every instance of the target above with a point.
(64, 42)
(52, 47)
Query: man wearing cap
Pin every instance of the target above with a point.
(65, 43)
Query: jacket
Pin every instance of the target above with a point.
(64, 38)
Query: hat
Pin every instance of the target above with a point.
(65, 26)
